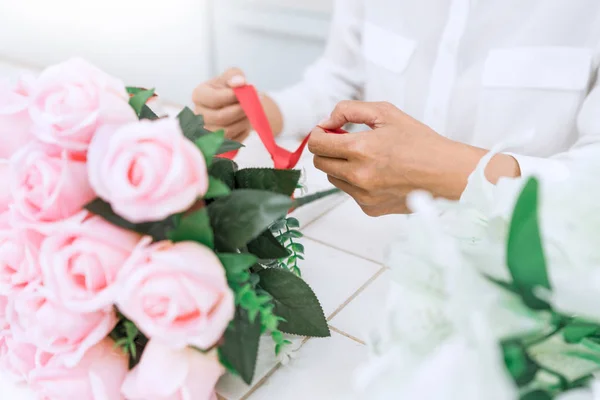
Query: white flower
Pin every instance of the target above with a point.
(445, 320)
(289, 352)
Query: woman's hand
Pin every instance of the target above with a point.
(216, 101)
(379, 168)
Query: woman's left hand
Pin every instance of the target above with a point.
(378, 168)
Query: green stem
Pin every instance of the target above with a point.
(547, 336)
(294, 269)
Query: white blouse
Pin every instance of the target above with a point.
(476, 71)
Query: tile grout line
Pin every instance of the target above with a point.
(326, 211)
(349, 336)
(276, 367)
(358, 291)
(343, 250)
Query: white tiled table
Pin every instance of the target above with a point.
(344, 265)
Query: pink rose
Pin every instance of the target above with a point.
(80, 263)
(167, 374)
(5, 195)
(71, 100)
(17, 358)
(98, 376)
(177, 293)
(18, 256)
(3, 306)
(147, 170)
(15, 123)
(54, 329)
(48, 185)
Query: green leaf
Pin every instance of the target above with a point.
(537, 395)
(216, 188)
(525, 254)
(244, 215)
(521, 367)
(266, 247)
(281, 181)
(240, 347)
(147, 113)
(229, 145)
(295, 302)
(292, 222)
(224, 170)
(578, 330)
(209, 144)
(592, 344)
(236, 264)
(191, 124)
(292, 235)
(134, 90)
(194, 227)
(586, 355)
(138, 100)
(280, 225)
(302, 201)
(158, 230)
(297, 247)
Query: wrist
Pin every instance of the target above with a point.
(459, 160)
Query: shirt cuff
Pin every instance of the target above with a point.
(296, 109)
(549, 169)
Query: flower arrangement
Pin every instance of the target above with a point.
(134, 261)
(494, 296)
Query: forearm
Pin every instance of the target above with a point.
(458, 161)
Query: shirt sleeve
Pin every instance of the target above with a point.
(585, 153)
(337, 75)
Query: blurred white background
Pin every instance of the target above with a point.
(169, 44)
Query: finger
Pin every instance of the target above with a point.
(361, 196)
(234, 130)
(240, 137)
(225, 116)
(214, 97)
(332, 166)
(330, 145)
(358, 112)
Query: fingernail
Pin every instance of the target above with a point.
(237, 80)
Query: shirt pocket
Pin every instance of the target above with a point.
(532, 88)
(387, 55)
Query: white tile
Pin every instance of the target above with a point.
(313, 211)
(322, 369)
(364, 312)
(348, 228)
(233, 388)
(334, 275)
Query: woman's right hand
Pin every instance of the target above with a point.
(216, 101)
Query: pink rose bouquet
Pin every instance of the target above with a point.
(136, 262)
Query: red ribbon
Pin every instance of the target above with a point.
(282, 158)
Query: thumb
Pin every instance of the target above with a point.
(233, 77)
(356, 112)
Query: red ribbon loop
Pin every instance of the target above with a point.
(282, 158)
